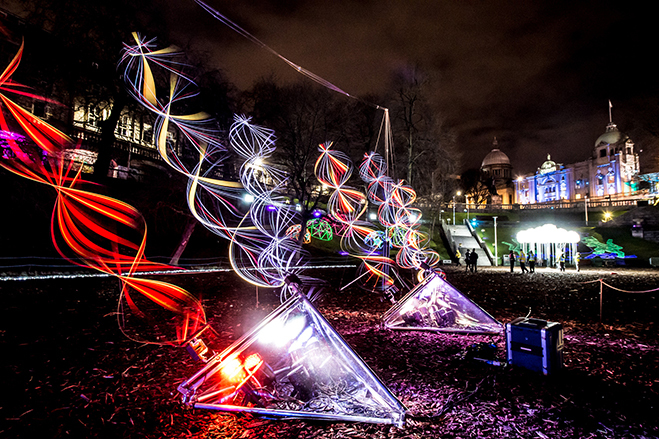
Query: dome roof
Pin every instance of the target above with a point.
(611, 136)
(495, 157)
(548, 166)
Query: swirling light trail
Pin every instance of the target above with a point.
(89, 229)
(346, 206)
(260, 250)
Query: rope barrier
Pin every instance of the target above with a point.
(602, 283)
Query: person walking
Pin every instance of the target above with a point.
(457, 257)
(511, 257)
(531, 258)
(561, 262)
(474, 261)
(522, 262)
(467, 260)
(577, 257)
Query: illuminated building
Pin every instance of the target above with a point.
(496, 165)
(608, 174)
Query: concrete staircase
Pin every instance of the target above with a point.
(460, 234)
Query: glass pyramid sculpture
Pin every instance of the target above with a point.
(293, 365)
(436, 305)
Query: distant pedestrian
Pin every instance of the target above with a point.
(531, 258)
(577, 257)
(511, 257)
(457, 257)
(474, 260)
(522, 262)
(561, 262)
(467, 260)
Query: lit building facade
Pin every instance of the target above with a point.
(608, 174)
(496, 165)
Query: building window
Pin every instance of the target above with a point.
(602, 152)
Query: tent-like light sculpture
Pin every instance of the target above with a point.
(436, 305)
(548, 242)
(293, 365)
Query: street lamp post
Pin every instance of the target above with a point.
(585, 205)
(456, 194)
(496, 250)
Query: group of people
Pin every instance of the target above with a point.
(522, 260)
(471, 259)
(519, 257)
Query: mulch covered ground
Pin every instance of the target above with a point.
(67, 371)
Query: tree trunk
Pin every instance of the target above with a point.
(108, 126)
(187, 233)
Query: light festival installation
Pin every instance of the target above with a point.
(396, 214)
(549, 242)
(307, 371)
(433, 304)
(93, 230)
(293, 364)
(436, 305)
(260, 250)
(604, 250)
(347, 206)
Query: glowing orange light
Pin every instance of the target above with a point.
(232, 370)
(253, 361)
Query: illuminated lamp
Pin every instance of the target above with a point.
(232, 370)
(293, 363)
(436, 305)
(248, 198)
(547, 233)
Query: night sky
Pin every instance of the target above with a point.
(536, 74)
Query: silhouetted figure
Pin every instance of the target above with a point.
(474, 260)
(467, 260)
(522, 262)
(511, 256)
(531, 258)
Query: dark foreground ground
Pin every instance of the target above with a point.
(67, 371)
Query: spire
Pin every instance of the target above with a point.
(495, 143)
(611, 126)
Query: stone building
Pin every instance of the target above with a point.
(608, 174)
(496, 165)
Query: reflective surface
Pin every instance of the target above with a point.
(436, 305)
(293, 364)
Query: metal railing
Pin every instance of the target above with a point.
(480, 242)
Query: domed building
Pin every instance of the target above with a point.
(496, 165)
(608, 174)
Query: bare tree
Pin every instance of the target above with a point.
(88, 39)
(303, 116)
(430, 155)
(478, 186)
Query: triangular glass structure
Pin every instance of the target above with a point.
(293, 365)
(436, 305)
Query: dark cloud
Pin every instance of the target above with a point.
(537, 75)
